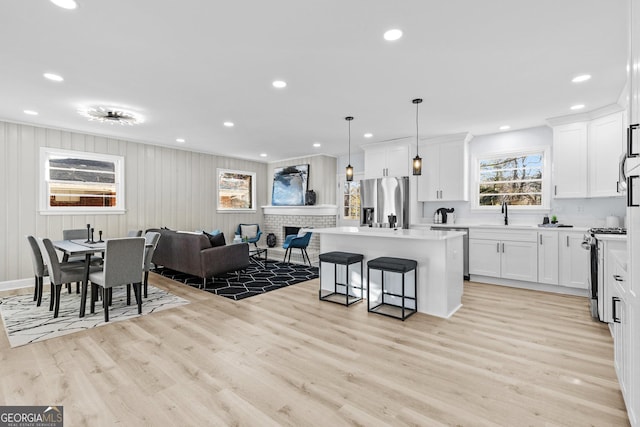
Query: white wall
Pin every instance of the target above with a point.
(578, 212)
(163, 187)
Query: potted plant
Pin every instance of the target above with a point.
(554, 219)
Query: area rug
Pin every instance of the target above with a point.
(255, 280)
(25, 323)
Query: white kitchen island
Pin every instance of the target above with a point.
(439, 255)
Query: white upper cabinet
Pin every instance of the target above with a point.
(606, 144)
(586, 155)
(570, 161)
(386, 160)
(444, 169)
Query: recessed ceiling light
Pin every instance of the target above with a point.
(581, 78)
(180, 140)
(263, 154)
(392, 35)
(279, 84)
(577, 107)
(368, 135)
(53, 77)
(65, 4)
(505, 127)
(229, 124)
(317, 144)
(31, 112)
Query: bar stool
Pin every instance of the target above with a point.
(394, 300)
(344, 290)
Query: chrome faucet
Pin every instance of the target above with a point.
(504, 211)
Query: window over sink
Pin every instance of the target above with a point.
(519, 178)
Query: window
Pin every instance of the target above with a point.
(516, 178)
(78, 182)
(351, 208)
(236, 190)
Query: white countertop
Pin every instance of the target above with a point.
(504, 227)
(419, 234)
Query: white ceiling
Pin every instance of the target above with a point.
(187, 66)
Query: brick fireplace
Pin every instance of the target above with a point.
(276, 218)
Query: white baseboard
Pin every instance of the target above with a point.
(534, 286)
(18, 284)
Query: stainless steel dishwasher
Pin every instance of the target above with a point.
(465, 246)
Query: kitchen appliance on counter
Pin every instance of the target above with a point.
(593, 242)
(385, 200)
(442, 217)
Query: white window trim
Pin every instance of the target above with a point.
(45, 209)
(546, 179)
(220, 209)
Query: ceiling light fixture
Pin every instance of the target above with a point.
(368, 135)
(505, 127)
(53, 77)
(111, 115)
(317, 144)
(180, 140)
(31, 112)
(349, 169)
(65, 4)
(581, 78)
(229, 124)
(263, 154)
(577, 107)
(417, 161)
(392, 35)
(279, 84)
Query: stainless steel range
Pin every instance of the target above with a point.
(593, 241)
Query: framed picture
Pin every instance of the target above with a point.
(290, 185)
(236, 190)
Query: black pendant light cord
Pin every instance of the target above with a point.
(417, 101)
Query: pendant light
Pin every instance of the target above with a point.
(349, 167)
(417, 161)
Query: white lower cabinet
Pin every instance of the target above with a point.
(574, 260)
(504, 254)
(548, 257)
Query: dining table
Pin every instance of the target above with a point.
(81, 247)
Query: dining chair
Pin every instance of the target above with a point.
(78, 234)
(134, 233)
(61, 273)
(151, 242)
(122, 266)
(40, 271)
(300, 241)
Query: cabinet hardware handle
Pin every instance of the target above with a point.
(503, 248)
(498, 247)
(541, 239)
(555, 190)
(630, 130)
(567, 241)
(618, 278)
(614, 314)
(630, 199)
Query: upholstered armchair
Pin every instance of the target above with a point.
(300, 241)
(251, 231)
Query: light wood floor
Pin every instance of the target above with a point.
(509, 357)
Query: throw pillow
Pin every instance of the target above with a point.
(217, 240)
(249, 231)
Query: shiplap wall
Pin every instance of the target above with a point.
(163, 187)
(322, 172)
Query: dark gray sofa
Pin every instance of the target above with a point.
(193, 254)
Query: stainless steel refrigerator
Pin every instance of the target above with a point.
(385, 202)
